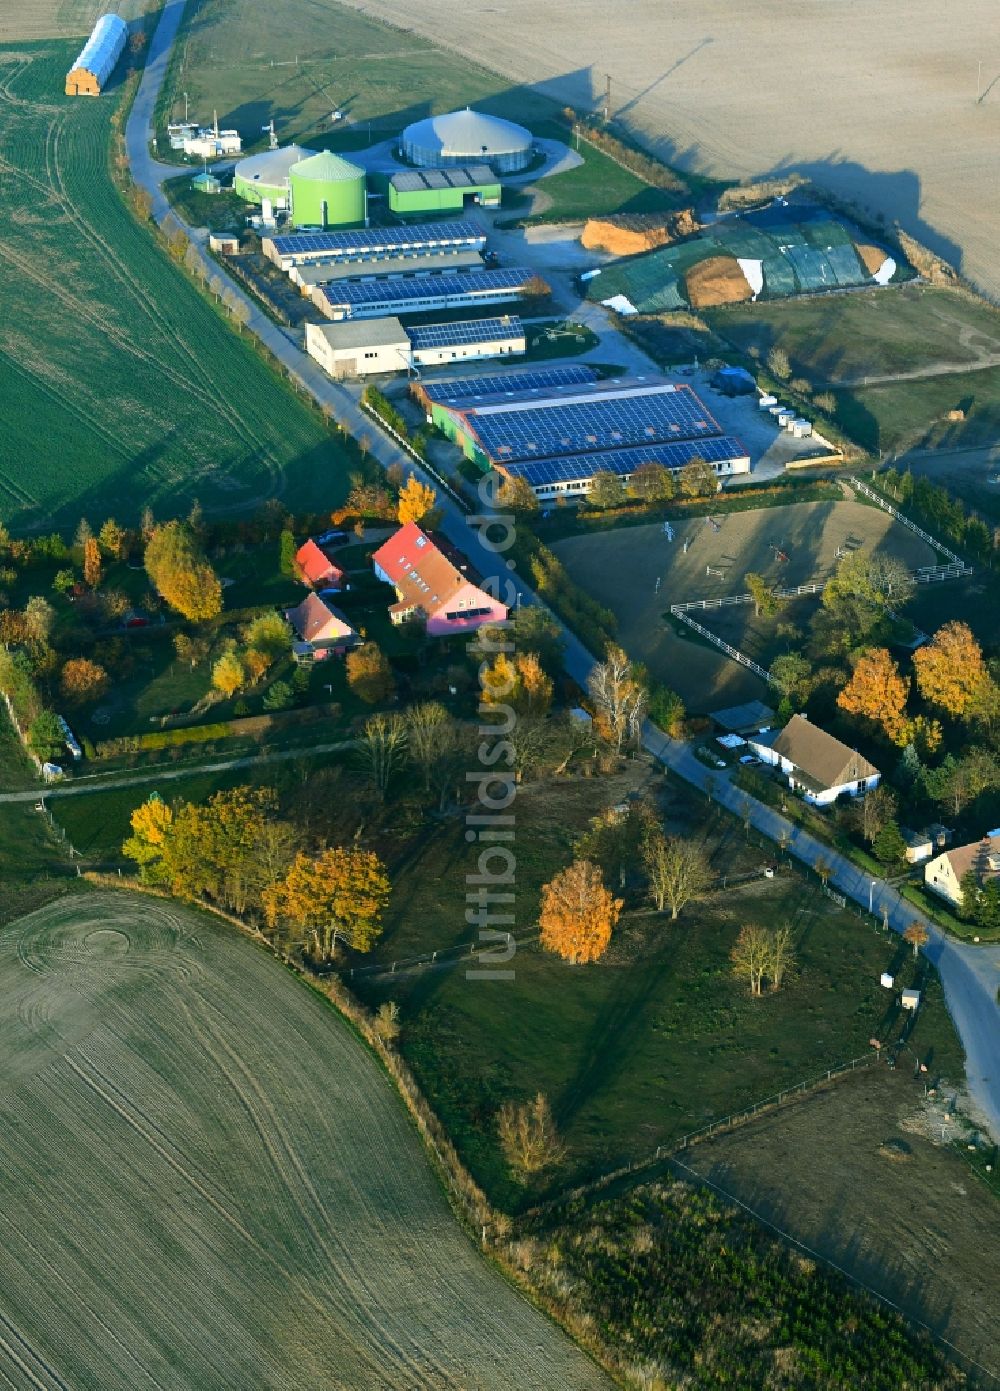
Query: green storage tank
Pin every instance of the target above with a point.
(326, 191)
(266, 175)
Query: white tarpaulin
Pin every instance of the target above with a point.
(754, 272)
(885, 271)
(620, 305)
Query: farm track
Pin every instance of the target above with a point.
(206, 1180)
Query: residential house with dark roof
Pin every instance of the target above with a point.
(816, 764)
(320, 629)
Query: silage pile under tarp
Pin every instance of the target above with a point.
(771, 254)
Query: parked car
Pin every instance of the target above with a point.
(332, 538)
(749, 760)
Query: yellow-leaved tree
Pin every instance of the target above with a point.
(151, 824)
(950, 669)
(416, 500)
(520, 682)
(878, 692)
(337, 895)
(179, 571)
(578, 913)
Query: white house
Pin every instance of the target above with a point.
(944, 874)
(816, 764)
(356, 349)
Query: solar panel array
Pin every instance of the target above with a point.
(466, 332)
(367, 240)
(588, 425)
(362, 294)
(470, 391)
(574, 468)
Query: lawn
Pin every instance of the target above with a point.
(597, 187)
(897, 361)
(655, 1040)
(207, 1180)
(121, 386)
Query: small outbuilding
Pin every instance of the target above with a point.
(910, 999)
(89, 74)
(225, 243)
(754, 717)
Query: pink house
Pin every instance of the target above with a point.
(321, 630)
(430, 588)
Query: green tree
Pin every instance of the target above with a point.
(606, 490)
(286, 554)
(765, 601)
(698, 479)
(45, 737)
(652, 482)
(889, 845)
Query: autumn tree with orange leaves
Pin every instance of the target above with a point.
(180, 572)
(337, 895)
(950, 669)
(578, 914)
(82, 680)
(92, 562)
(519, 682)
(416, 501)
(877, 692)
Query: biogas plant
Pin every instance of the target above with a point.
(316, 189)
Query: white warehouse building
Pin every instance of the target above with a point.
(364, 347)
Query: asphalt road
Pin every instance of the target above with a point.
(970, 974)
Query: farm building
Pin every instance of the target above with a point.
(326, 191)
(753, 717)
(264, 177)
(559, 438)
(309, 277)
(321, 631)
(357, 348)
(815, 763)
(209, 142)
(431, 588)
(206, 183)
(225, 243)
(467, 137)
(316, 567)
(417, 192)
(89, 74)
(944, 874)
(370, 299)
(371, 243)
(522, 384)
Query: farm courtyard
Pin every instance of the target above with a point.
(638, 574)
(207, 1180)
(120, 384)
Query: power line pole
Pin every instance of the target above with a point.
(607, 99)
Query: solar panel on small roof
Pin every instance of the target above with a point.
(573, 468)
(469, 390)
(483, 283)
(465, 332)
(370, 239)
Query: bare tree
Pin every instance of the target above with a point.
(386, 1022)
(241, 313)
(430, 729)
(382, 749)
(751, 956)
(619, 697)
(215, 284)
(917, 935)
(678, 871)
(873, 810)
(529, 1137)
(782, 956)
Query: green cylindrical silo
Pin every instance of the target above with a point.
(327, 191)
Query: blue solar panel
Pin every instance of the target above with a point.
(365, 294)
(476, 390)
(369, 240)
(467, 331)
(624, 462)
(590, 422)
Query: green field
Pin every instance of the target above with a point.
(657, 1038)
(897, 361)
(121, 386)
(208, 1181)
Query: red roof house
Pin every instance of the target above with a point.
(317, 568)
(430, 588)
(320, 628)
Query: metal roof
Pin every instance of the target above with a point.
(369, 241)
(359, 293)
(469, 134)
(471, 176)
(272, 167)
(363, 333)
(326, 167)
(102, 50)
(446, 263)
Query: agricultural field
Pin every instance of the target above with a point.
(897, 362)
(638, 574)
(120, 386)
(656, 1039)
(880, 132)
(860, 1174)
(49, 19)
(208, 1180)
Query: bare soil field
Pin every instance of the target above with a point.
(872, 101)
(207, 1181)
(851, 1172)
(622, 567)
